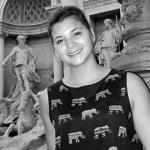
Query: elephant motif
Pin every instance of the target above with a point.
(113, 148)
(116, 109)
(61, 88)
(112, 77)
(122, 132)
(55, 102)
(78, 101)
(123, 91)
(102, 94)
(64, 118)
(58, 141)
(135, 139)
(103, 130)
(75, 137)
(89, 113)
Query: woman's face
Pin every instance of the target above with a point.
(73, 42)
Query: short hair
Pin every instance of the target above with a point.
(65, 12)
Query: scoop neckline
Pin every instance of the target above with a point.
(92, 84)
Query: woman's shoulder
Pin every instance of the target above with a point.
(55, 87)
(131, 77)
(118, 72)
(135, 80)
(51, 88)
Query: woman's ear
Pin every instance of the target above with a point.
(93, 34)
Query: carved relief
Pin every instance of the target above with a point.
(132, 9)
(143, 46)
(27, 118)
(139, 47)
(4, 110)
(96, 4)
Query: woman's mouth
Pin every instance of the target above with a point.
(74, 52)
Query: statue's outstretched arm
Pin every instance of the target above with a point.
(9, 56)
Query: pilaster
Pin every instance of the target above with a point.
(2, 37)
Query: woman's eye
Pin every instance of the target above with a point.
(77, 33)
(59, 41)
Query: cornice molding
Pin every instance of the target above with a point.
(133, 57)
(97, 3)
(33, 29)
(2, 33)
(136, 29)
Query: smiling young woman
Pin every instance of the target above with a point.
(92, 107)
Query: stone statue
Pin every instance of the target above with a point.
(27, 117)
(23, 61)
(4, 110)
(106, 45)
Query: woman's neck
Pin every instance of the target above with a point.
(85, 74)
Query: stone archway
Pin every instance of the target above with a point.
(2, 6)
(28, 17)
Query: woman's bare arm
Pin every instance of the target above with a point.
(139, 96)
(44, 112)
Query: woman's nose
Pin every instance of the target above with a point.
(70, 43)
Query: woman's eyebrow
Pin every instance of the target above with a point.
(57, 37)
(73, 30)
(76, 29)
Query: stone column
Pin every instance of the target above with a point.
(1, 67)
(135, 56)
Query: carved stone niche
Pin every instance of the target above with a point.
(136, 22)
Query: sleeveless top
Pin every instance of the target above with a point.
(93, 117)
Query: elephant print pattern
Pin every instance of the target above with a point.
(93, 117)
